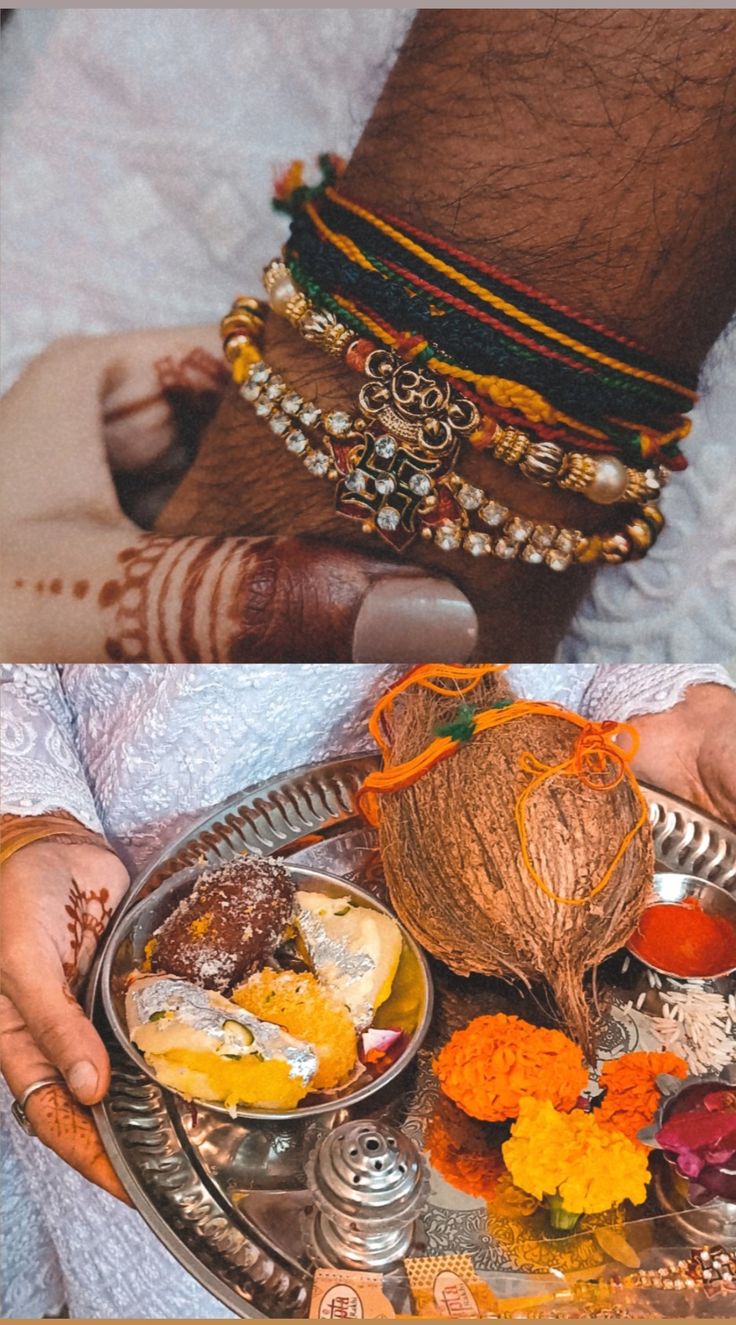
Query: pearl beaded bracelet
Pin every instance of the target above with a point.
(604, 480)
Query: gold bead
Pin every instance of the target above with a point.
(640, 534)
(333, 475)
(577, 472)
(653, 517)
(275, 272)
(588, 550)
(367, 527)
(247, 303)
(295, 309)
(638, 487)
(427, 534)
(615, 548)
(234, 322)
(234, 344)
(336, 340)
(511, 446)
(241, 367)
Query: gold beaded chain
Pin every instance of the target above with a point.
(399, 490)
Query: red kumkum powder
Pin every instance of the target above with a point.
(684, 939)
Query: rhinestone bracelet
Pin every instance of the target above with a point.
(604, 480)
(402, 491)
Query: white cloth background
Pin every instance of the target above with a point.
(139, 152)
(141, 751)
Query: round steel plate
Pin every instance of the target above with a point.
(229, 1199)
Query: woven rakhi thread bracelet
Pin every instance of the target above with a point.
(624, 410)
(602, 479)
(473, 314)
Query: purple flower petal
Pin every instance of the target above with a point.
(689, 1163)
(717, 1182)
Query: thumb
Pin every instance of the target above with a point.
(66, 1038)
(95, 591)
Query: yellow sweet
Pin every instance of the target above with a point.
(208, 1048)
(265, 1084)
(297, 1002)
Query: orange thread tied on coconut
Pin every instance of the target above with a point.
(597, 761)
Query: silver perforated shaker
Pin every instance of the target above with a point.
(369, 1184)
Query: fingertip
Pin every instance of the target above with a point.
(83, 1079)
(415, 618)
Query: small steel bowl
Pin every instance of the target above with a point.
(674, 888)
(713, 1220)
(125, 952)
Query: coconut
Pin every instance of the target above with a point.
(451, 851)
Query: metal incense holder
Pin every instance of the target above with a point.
(369, 1183)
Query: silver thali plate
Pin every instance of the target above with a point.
(228, 1199)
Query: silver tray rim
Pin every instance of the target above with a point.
(701, 844)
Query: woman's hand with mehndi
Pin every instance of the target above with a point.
(94, 423)
(55, 902)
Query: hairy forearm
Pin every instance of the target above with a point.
(583, 151)
(586, 151)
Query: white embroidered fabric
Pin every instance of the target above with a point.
(139, 152)
(142, 751)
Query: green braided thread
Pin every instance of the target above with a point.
(462, 726)
(298, 198)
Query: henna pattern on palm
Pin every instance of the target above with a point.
(176, 598)
(88, 912)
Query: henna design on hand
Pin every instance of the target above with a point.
(191, 388)
(226, 599)
(68, 1128)
(88, 914)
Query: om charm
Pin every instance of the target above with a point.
(410, 429)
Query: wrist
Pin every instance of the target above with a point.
(18, 832)
(268, 492)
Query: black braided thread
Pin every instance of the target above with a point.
(371, 239)
(589, 395)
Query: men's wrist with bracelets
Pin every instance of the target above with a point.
(395, 457)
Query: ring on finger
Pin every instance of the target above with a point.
(18, 1107)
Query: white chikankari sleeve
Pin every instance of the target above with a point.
(41, 769)
(618, 691)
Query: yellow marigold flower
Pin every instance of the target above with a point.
(578, 1165)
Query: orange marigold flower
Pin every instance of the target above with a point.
(632, 1096)
(462, 1154)
(494, 1062)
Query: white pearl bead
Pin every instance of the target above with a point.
(609, 483)
(282, 292)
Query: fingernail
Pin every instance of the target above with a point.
(82, 1078)
(414, 618)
